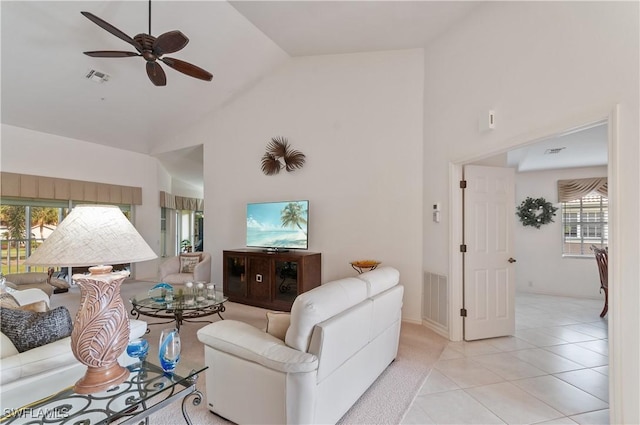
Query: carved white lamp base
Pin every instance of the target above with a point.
(100, 331)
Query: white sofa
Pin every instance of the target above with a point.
(342, 335)
(36, 373)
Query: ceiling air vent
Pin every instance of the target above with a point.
(97, 76)
(553, 151)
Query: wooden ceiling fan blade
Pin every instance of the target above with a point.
(110, 54)
(113, 30)
(156, 74)
(169, 42)
(188, 69)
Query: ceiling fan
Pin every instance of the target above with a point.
(151, 49)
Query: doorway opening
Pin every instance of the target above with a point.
(606, 122)
(544, 265)
(511, 157)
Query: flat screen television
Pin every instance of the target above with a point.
(278, 226)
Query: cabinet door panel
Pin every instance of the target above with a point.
(236, 276)
(286, 284)
(260, 279)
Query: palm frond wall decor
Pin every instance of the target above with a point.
(278, 148)
(270, 164)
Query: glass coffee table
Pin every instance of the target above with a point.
(178, 310)
(147, 390)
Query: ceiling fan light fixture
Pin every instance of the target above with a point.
(151, 49)
(96, 76)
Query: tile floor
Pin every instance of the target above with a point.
(553, 371)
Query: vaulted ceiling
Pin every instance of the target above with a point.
(43, 70)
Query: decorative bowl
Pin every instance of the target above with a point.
(361, 265)
(365, 264)
(157, 293)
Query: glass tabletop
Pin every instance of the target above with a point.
(178, 303)
(147, 386)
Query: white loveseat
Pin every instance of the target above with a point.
(342, 335)
(37, 373)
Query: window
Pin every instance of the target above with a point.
(25, 223)
(585, 222)
(190, 230)
(163, 231)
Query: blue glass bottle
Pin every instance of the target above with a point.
(169, 349)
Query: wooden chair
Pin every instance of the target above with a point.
(602, 258)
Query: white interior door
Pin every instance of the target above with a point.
(489, 280)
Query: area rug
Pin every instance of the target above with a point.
(385, 402)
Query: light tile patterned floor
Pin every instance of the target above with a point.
(553, 371)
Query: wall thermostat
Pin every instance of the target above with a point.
(487, 120)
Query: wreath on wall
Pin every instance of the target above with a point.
(536, 212)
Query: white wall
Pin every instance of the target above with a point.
(31, 152)
(181, 188)
(540, 65)
(541, 269)
(358, 120)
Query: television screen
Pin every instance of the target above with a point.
(278, 225)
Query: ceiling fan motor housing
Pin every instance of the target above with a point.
(146, 41)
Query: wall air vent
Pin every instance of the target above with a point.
(97, 76)
(553, 151)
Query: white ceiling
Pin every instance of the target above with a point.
(304, 28)
(43, 69)
(585, 147)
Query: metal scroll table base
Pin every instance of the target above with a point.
(192, 393)
(179, 316)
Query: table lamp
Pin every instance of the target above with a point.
(96, 235)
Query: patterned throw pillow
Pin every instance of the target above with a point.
(27, 329)
(188, 263)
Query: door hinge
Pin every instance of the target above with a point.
(463, 248)
(463, 184)
(463, 312)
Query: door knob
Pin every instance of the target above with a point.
(511, 260)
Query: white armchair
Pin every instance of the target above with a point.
(171, 270)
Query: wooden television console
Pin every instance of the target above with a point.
(269, 279)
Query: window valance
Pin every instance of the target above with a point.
(570, 190)
(167, 200)
(174, 202)
(16, 185)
